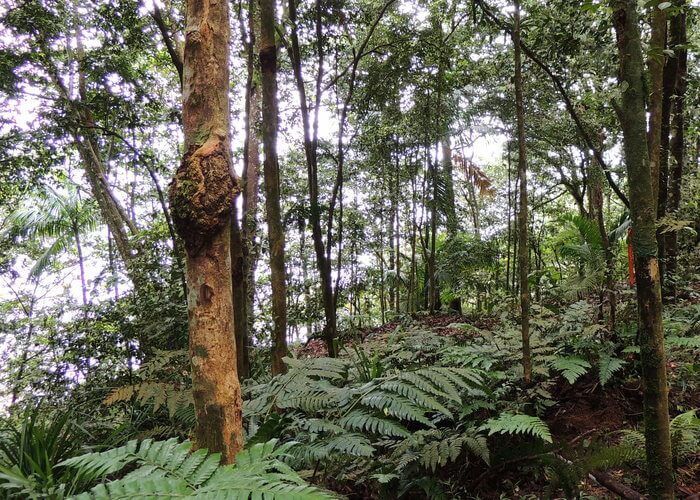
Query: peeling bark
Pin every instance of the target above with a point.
(201, 196)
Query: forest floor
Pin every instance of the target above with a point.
(584, 411)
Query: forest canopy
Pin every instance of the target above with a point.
(359, 248)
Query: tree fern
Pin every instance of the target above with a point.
(508, 423)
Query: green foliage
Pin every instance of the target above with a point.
(31, 456)
(56, 216)
(607, 366)
(508, 423)
(685, 438)
(171, 468)
(571, 368)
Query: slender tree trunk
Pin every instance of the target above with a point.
(523, 247)
(244, 253)
(398, 234)
(239, 297)
(642, 206)
(595, 183)
(310, 149)
(275, 231)
(81, 263)
(114, 214)
(391, 237)
(452, 226)
(201, 195)
(412, 287)
(679, 39)
(508, 213)
(669, 83)
(655, 62)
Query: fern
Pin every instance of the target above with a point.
(171, 469)
(361, 420)
(396, 406)
(434, 448)
(440, 453)
(330, 368)
(570, 368)
(685, 437)
(607, 366)
(508, 423)
(688, 342)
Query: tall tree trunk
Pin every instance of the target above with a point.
(311, 152)
(669, 84)
(393, 201)
(508, 213)
(642, 207)
(413, 278)
(115, 216)
(244, 252)
(398, 238)
(595, 183)
(678, 40)
(275, 231)
(655, 62)
(201, 195)
(81, 263)
(523, 247)
(452, 225)
(239, 297)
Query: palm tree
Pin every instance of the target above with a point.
(62, 217)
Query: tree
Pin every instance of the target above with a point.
(275, 231)
(201, 196)
(679, 40)
(523, 247)
(61, 217)
(244, 250)
(632, 115)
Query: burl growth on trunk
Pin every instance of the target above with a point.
(202, 194)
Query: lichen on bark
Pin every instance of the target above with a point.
(202, 193)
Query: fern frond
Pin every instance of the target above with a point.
(99, 464)
(607, 366)
(329, 368)
(417, 396)
(689, 342)
(396, 406)
(157, 393)
(360, 420)
(478, 445)
(570, 368)
(508, 423)
(147, 488)
(319, 425)
(169, 469)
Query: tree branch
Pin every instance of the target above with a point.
(565, 97)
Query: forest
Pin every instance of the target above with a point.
(362, 249)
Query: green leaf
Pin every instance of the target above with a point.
(508, 423)
(570, 368)
(607, 366)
